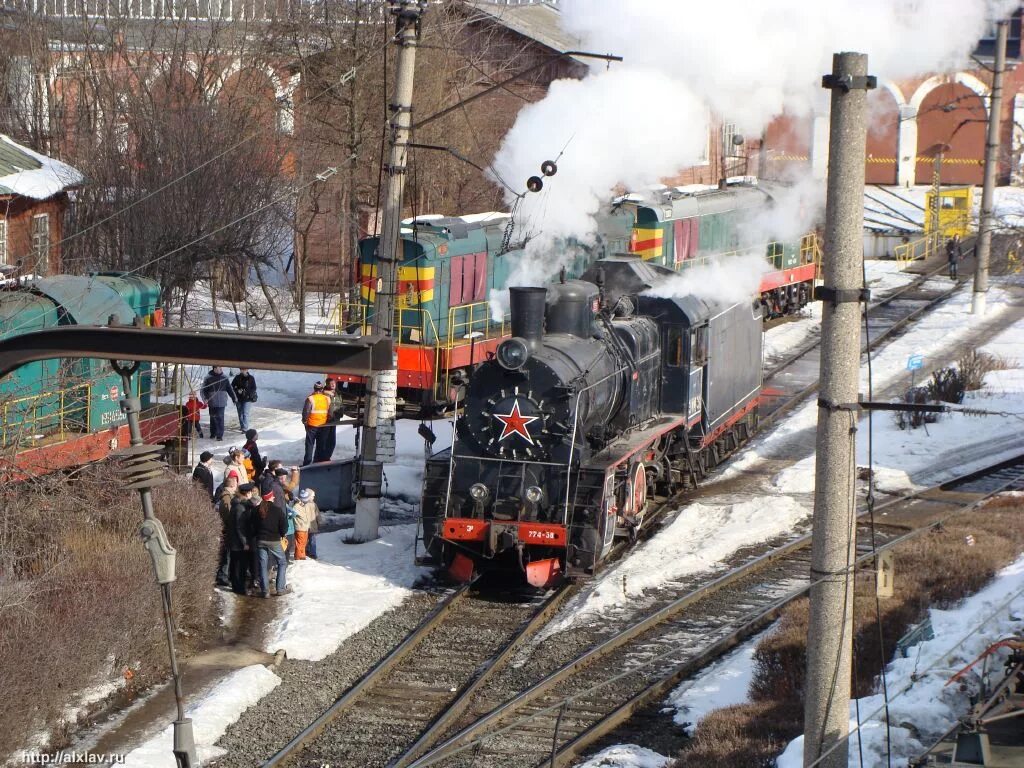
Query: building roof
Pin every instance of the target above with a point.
(30, 174)
(536, 20)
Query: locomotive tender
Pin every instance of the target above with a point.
(602, 398)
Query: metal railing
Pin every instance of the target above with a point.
(922, 248)
(182, 10)
(468, 319)
(24, 420)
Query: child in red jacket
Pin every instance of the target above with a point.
(192, 409)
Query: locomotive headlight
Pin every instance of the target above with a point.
(479, 493)
(534, 494)
(512, 354)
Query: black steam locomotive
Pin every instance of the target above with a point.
(603, 398)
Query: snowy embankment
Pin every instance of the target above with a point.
(723, 684)
(921, 704)
(332, 598)
(701, 538)
(905, 459)
(211, 715)
(883, 278)
(339, 594)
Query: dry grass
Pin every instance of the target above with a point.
(934, 569)
(77, 595)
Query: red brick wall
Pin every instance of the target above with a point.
(953, 115)
(18, 213)
(883, 138)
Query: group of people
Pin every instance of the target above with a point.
(320, 411)
(267, 520)
(214, 394)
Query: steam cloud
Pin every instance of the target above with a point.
(647, 118)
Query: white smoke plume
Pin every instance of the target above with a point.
(746, 61)
(728, 280)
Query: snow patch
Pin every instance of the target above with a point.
(700, 538)
(922, 706)
(723, 684)
(211, 715)
(627, 756)
(348, 587)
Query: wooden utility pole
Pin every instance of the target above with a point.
(833, 547)
(378, 440)
(985, 227)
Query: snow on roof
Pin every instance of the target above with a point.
(469, 218)
(30, 174)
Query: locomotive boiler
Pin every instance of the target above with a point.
(602, 398)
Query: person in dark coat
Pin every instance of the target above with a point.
(244, 385)
(217, 391)
(954, 253)
(240, 531)
(225, 495)
(202, 474)
(271, 526)
(251, 436)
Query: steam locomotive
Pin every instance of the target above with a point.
(602, 398)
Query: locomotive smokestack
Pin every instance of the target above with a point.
(527, 305)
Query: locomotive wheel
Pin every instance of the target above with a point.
(638, 491)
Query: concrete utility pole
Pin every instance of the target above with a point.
(833, 548)
(379, 425)
(991, 166)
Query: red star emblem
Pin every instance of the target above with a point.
(514, 423)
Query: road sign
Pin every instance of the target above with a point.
(915, 362)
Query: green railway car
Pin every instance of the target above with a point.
(450, 265)
(53, 400)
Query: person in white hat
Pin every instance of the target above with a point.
(307, 523)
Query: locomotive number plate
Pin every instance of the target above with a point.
(542, 533)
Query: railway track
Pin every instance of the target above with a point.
(788, 381)
(421, 685)
(437, 679)
(562, 713)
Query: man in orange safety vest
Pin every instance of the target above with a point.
(315, 413)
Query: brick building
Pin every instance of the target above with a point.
(496, 42)
(909, 119)
(33, 198)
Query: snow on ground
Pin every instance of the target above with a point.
(883, 277)
(701, 537)
(723, 684)
(277, 417)
(921, 705)
(339, 594)
(626, 756)
(211, 715)
(901, 456)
